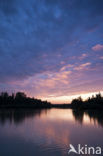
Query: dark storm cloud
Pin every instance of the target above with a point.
(32, 32)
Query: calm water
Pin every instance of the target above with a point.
(48, 132)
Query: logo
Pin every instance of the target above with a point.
(85, 150)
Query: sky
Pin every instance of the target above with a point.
(51, 49)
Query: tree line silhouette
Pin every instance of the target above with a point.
(95, 102)
(20, 100)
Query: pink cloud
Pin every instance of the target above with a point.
(83, 56)
(101, 57)
(83, 66)
(97, 47)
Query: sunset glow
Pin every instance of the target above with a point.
(68, 99)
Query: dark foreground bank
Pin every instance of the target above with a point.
(20, 100)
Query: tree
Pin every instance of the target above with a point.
(20, 95)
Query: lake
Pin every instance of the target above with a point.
(48, 132)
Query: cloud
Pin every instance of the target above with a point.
(45, 41)
(101, 57)
(83, 56)
(83, 66)
(97, 47)
(65, 82)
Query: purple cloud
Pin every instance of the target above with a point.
(97, 47)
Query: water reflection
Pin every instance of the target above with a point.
(18, 115)
(95, 116)
(48, 132)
